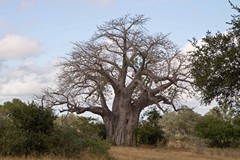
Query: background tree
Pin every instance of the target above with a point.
(180, 123)
(150, 130)
(218, 132)
(216, 72)
(216, 64)
(224, 111)
(25, 128)
(86, 125)
(122, 65)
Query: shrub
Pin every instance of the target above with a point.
(65, 141)
(96, 145)
(218, 132)
(29, 129)
(26, 129)
(150, 131)
(74, 135)
(69, 142)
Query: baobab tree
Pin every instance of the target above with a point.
(120, 71)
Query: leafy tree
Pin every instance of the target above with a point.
(224, 111)
(216, 64)
(180, 123)
(219, 132)
(228, 114)
(26, 128)
(150, 130)
(122, 65)
(32, 118)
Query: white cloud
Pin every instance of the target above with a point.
(15, 46)
(1, 64)
(26, 80)
(26, 85)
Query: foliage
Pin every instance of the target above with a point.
(224, 111)
(220, 52)
(26, 128)
(73, 135)
(29, 129)
(96, 145)
(219, 132)
(32, 118)
(223, 120)
(236, 123)
(66, 142)
(85, 125)
(181, 123)
(150, 131)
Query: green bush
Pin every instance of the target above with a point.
(96, 145)
(29, 129)
(150, 131)
(86, 125)
(218, 132)
(71, 141)
(25, 128)
(65, 141)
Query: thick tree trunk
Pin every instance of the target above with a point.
(120, 129)
(121, 123)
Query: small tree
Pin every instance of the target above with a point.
(180, 123)
(220, 133)
(224, 111)
(150, 130)
(27, 129)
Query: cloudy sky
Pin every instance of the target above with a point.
(35, 34)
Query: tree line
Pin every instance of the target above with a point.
(29, 129)
(215, 129)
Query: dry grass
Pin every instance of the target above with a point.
(126, 153)
(82, 157)
(147, 153)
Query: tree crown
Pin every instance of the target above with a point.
(121, 59)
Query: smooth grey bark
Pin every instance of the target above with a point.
(122, 122)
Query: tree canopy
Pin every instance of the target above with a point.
(216, 64)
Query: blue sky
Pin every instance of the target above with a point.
(35, 33)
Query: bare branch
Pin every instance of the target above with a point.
(124, 63)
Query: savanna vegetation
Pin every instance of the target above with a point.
(31, 130)
(125, 66)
